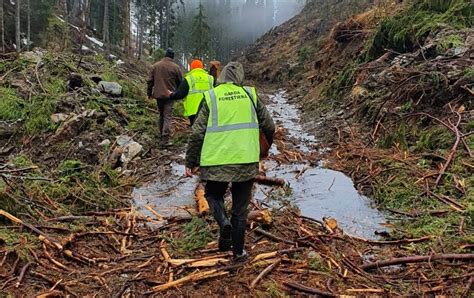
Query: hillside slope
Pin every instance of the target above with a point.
(390, 90)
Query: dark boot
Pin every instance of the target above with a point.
(241, 194)
(225, 238)
(215, 192)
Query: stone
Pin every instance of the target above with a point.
(58, 117)
(130, 151)
(105, 143)
(112, 88)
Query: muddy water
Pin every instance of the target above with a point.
(169, 196)
(318, 192)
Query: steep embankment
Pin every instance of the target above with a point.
(391, 91)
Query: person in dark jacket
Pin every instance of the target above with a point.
(165, 75)
(224, 144)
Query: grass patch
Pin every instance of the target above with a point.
(11, 106)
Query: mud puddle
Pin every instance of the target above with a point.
(171, 196)
(318, 192)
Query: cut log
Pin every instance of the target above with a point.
(265, 180)
(201, 203)
(262, 216)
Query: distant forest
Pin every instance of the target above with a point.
(143, 29)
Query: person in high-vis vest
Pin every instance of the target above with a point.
(191, 88)
(224, 147)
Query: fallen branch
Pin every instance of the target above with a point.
(417, 259)
(273, 254)
(308, 290)
(273, 237)
(451, 154)
(264, 273)
(389, 242)
(43, 236)
(190, 278)
(22, 274)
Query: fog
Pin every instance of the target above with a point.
(248, 19)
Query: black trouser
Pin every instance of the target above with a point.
(241, 196)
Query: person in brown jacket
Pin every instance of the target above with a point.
(165, 75)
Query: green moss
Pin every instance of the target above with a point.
(396, 137)
(343, 81)
(39, 111)
(317, 263)
(469, 72)
(448, 42)
(408, 29)
(21, 161)
(11, 106)
(434, 138)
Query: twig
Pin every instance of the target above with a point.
(417, 259)
(37, 76)
(388, 242)
(264, 273)
(450, 157)
(273, 237)
(43, 236)
(190, 278)
(22, 274)
(332, 183)
(308, 290)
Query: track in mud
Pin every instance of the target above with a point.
(316, 191)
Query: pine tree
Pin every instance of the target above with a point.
(200, 35)
(105, 29)
(28, 25)
(2, 26)
(17, 25)
(126, 27)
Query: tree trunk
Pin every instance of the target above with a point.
(105, 33)
(140, 32)
(161, 25)
(62, 8)
(28, 30)
(168, 15)
(126, 27)
(2, 27)
(17, 26)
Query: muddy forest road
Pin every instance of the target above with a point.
(159, 247)
(295, 157)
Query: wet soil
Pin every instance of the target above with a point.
(318, 192)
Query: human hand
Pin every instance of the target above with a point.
(169, 92)
(190, 172)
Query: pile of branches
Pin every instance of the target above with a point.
(122, 252)
(423, 80)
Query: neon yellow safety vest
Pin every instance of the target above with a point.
(232, 134)
(199, 81)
